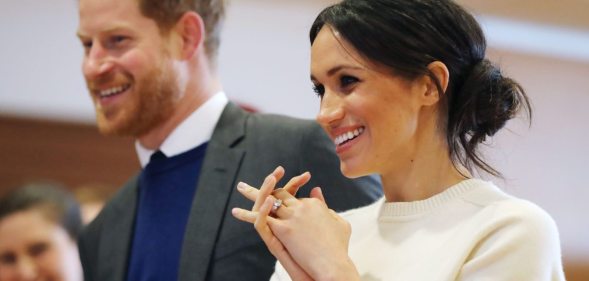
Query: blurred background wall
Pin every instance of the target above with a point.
(46, 116)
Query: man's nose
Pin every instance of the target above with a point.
(97, 62)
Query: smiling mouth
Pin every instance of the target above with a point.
(348, 136)
(113, 91)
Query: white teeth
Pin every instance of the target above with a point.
(113, 91)
(348, 136)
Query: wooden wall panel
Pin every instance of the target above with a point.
(576, 270)
(69, 153)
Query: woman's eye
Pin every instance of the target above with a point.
(319, 90)
(7, 258)
(346, 81)
(38, 249)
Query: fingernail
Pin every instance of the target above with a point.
(241, 186)
(235, 211)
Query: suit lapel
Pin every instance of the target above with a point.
(116, 235)
(217, 176)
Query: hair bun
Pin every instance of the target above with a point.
(489, 100)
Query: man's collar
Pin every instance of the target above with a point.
(192, 132)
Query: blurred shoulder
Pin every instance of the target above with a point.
(281, 123)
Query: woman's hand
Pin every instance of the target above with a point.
(260, 214)
(314, 237)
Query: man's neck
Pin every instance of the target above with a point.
(194, 98)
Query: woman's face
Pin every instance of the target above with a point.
(372, 116)
(34, 248)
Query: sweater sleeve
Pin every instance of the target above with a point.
(522, 244)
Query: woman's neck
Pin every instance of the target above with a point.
(428, 172)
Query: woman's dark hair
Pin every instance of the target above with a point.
(55, 202)
(405, 36)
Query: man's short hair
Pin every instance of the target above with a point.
(167, 12)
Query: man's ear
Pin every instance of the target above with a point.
(190, 27)
(432, 94)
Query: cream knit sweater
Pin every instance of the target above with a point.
(471, 231)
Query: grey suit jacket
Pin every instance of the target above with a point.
(244, 147)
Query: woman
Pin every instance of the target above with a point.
(406, 92)
(39, 226)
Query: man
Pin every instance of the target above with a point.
(150, 70)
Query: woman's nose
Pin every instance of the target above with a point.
(27, 269)
(331, 110)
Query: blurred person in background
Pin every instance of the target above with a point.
(150, 68)
(39, 227)
(92, 198)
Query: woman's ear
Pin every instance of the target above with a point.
(191, 30)
(439, 70)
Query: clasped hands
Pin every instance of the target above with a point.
(308, 239)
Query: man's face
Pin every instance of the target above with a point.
(127, 67)
(32, 247)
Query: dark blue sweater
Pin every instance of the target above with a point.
(166, 191)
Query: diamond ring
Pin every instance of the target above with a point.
(276, 205)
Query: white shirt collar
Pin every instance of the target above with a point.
(193, 131)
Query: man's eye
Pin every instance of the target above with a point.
(319, 90)
(117, 40)
(87, 44)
